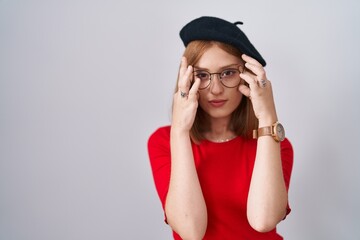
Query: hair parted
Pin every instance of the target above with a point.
(243, 119)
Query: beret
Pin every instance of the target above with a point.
(216, 29)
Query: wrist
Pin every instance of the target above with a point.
(276, 130)
(267, 121)
(179, 132)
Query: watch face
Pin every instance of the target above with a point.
(280, 132)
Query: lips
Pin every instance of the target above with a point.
(217, 102)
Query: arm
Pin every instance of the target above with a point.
(267, 199)
(185, 205)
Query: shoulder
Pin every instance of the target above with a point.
(160, 136)
(160, 133)
(159, 147)
(286, 147)
(287, 155)
(286, 143)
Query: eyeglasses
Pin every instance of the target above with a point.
(230, 78)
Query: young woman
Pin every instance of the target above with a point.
(215, 176)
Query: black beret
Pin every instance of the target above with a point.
(216, 29)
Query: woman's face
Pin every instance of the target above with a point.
(217, 100)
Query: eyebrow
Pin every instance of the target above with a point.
(196, 68)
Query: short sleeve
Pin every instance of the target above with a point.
(287, 159)
(160, 161)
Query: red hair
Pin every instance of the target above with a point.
(243, 119)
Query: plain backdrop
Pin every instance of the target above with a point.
(84, 83)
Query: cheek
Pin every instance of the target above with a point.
(201, 96)
(202, 100)
(203, 105)
(235, 95)
(237, 99)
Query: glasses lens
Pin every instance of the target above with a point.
(230, 77)
(204, 78)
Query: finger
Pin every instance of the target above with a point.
(251, 60)
(250, 79)
(183, 66)
(188, 77)
(183, 69)
(182, 94)
(185, 79)
(257, 70)
(262, 83)
(194, 89)
(244, 90)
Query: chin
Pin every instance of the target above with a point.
(220, 113)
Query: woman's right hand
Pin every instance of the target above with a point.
(185, 101)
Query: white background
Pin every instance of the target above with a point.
(84, 83)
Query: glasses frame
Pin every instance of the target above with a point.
(219, 76)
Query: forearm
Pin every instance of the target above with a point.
(185, 205)
(268, 197)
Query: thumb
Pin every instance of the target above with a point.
(244, 90)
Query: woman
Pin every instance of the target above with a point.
(214, 178)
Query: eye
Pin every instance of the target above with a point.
(228, 73)
(203, 76)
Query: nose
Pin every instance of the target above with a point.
(216, 87)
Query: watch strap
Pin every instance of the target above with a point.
(264, 131)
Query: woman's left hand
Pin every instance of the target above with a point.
(259, 91)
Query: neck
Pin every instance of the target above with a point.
(220, 130)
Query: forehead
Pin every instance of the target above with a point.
(215, 58)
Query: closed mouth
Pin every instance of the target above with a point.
(217, 102)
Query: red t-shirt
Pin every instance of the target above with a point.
(224, 171)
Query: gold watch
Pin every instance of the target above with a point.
(276, 130)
